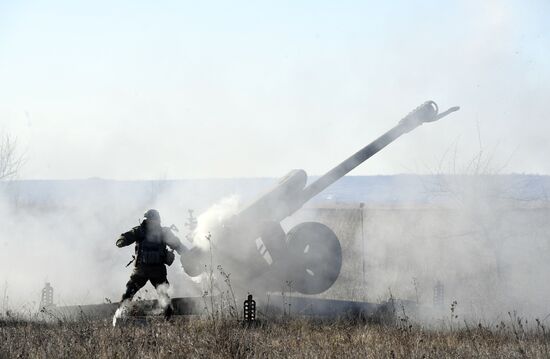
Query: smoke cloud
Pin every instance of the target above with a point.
(484, 237)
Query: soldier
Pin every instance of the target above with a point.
(151, 257)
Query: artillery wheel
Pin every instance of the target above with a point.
(315, 257)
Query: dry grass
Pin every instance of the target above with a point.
(280, 339)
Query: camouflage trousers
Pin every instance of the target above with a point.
(156, 274)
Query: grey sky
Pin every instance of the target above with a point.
(177, 89)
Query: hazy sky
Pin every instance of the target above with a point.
(179, 89)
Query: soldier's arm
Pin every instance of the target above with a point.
(127, 238)
(173, 241)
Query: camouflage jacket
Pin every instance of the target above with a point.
(151, 244)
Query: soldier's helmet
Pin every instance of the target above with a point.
(152, 215)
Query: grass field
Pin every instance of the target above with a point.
(296, 337)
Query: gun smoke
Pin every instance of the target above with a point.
(484, 242)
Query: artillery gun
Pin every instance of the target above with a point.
(253, 246)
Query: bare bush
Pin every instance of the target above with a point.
(10, 159)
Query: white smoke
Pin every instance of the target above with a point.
(212, 218)
(121, 312)
(68, 238)
(164, 292)
(488, 249)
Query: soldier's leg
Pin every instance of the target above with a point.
(136, 282)
(161, 284)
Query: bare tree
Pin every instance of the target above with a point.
(483, 197)
(10, 159)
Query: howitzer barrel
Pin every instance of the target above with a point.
(427, 112)
(311, 251)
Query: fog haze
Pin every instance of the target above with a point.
(172, 89)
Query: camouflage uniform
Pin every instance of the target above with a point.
(151, 241)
